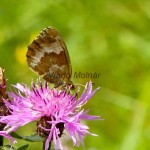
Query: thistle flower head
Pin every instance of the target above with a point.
(53, 109)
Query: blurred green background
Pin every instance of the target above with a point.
(110, 37)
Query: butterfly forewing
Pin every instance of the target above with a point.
(48, 56)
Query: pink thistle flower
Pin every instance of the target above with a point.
(55, 110)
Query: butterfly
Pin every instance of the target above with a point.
(48, 56)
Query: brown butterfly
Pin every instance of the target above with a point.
(48, 56)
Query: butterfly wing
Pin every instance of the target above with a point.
(48, 56)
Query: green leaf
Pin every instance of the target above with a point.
(15, 135)
(7, 147)
(23, 147)
(31, 138)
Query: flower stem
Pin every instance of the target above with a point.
(1, 141)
